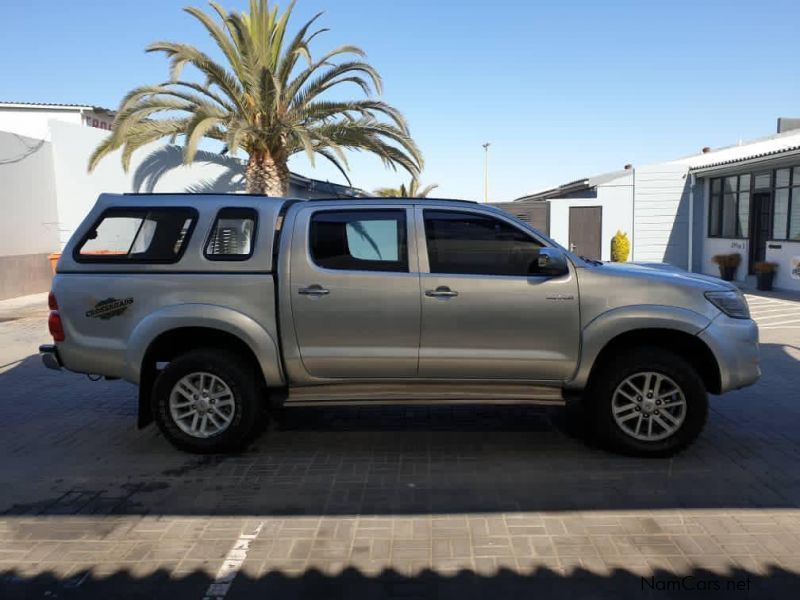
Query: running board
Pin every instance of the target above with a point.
(423, 393)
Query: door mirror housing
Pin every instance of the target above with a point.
(551, 262)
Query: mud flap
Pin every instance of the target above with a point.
(146, 385)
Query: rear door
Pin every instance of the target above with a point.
(355, 291)
(486, 312)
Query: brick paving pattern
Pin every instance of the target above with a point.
(462, 502)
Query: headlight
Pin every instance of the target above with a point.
(731, 303)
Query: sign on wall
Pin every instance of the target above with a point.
(795, 264)
(98, 121)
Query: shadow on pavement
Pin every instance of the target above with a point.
(464, 585)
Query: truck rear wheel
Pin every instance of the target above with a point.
(206, 401)
(648, 402)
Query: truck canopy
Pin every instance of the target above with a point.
(172, 233)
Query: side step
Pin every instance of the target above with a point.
(423, 393)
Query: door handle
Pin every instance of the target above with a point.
(313, 290)
(441, 292)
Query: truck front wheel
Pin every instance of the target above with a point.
(206, 401)
(648, 402)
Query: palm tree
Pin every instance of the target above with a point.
(267, 99)
(412, 191)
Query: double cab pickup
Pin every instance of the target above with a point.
(221, 306)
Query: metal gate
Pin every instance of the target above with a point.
(536, 213)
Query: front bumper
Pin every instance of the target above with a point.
(50, 357)
(734, 343)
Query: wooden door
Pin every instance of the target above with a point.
(585, 227)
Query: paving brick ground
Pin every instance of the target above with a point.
(391, 502)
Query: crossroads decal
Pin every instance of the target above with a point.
(110, 307)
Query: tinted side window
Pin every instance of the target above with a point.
(467, 243)
(359, 240)
(138, 235)
(233, 234)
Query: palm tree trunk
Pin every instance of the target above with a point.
(267, 175)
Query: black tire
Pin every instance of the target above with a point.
(238, 374)
(612, 373)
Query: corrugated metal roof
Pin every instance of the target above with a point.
(325, 186)
(578, 184)
(747, 154)
(575, 186)
(10, 103)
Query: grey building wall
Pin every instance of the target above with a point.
(28, 217)
(661, 214)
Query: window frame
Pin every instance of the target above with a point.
(231, 257)
(403, 258)
(424, 251)
(793, 189)
(720, 196)
(126, 259)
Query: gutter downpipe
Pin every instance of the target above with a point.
(692, 182)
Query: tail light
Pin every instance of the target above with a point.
(54, 320)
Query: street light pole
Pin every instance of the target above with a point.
(486, 172)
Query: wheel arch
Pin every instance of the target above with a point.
(667, 327)
(166, 333)
(679, 342)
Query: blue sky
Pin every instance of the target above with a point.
(562, 90)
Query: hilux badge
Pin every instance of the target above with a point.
(110, 307)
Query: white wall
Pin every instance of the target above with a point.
(714, 246)
(28, 217)
(615, 197)
(784, 256)
(77, 189)
(35, 122)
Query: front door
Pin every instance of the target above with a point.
(486, 312)
(355, 292)
(761, 227)
(585, 227)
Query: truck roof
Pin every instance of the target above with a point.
(281, 199)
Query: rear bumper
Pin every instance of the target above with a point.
(734, 343)
(50, 357)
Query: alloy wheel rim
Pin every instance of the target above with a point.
(649, 406)
(202, 405)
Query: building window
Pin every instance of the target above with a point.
(786, 208)
(729, 207)
(794, 213)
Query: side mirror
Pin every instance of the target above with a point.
(551, 262)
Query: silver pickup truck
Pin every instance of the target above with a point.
(221, 306)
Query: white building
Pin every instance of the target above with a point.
(31, 119)
(741, 199)
(46, 190)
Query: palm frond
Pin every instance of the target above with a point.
(261, 99)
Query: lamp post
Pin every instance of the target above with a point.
(486, 172)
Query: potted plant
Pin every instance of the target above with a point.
(53, 258)
(765, 273)
(727, 263)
